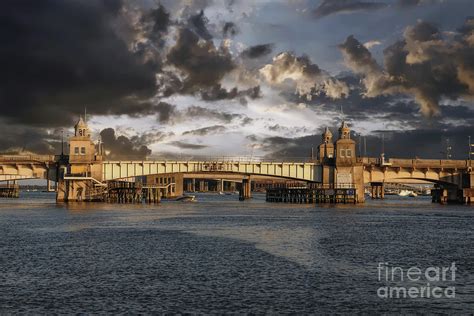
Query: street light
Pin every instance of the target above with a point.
(470, 148)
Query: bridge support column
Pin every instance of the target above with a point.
(245, 190)
(201, 186)
(220, 185)
(377, 190)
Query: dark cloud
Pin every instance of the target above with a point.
(229, 29)
(217, 92)
(160, 18)
(151, 137)
(246, 121)
(203, 64)
(64, 55)
(423, 65)
(198, 111)
(215, 129)
(122, 147)
(277, 143)
(198, 23)
(17, 139)
(257, 51)
(414, 3)
(184, 145)
(329, 7)
(397, 110)
(422, 143)
(165, 111)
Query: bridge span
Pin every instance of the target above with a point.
(304, 171)
(83, 170)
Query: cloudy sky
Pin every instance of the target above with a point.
(182, 78)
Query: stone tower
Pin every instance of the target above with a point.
(326, 148)
(345, 147)
(81, 147)
(84, 166)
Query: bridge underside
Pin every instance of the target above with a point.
(23, 171)
(15, 177)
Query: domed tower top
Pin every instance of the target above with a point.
(81, 129)
(327, 136)
(344, 131)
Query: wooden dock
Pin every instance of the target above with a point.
(131, 192)
(10, 191)
(312, 194)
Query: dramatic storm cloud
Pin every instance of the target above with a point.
(122, 147)
(206, 130)
(60, 56)
(203, 64)
(424, 64)
(180, 77)
(328, 7)
(257, 51)
(302, 75)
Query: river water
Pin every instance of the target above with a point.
(221, 255)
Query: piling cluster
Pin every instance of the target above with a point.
(131, 192)
(311, 194)
(10, 191)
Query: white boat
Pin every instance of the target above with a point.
(412, 194)
(404, 193)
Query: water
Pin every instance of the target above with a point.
(221, 255)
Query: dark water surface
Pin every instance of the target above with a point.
(221, 255)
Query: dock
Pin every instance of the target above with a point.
(312, 194)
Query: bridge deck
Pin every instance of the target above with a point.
(292, 170)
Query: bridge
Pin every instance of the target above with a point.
(84, 170)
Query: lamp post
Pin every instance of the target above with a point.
(470, 148)
(62, 142)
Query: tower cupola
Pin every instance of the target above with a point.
(344, 131)
(327, 136)
(81, 129)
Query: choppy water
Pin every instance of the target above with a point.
(221, 255)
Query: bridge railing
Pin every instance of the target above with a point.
(430, 163)
(40, 158)
(251, 159)
(418, 163)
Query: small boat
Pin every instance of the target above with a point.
(412, 194)
(186, 198)
(221, 193)
(404, 193)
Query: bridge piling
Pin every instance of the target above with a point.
(245, 190)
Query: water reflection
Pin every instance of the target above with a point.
(220, 255)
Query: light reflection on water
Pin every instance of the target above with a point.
(220, 254)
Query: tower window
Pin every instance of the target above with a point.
(343, 153)
(348, 153)
(83, 150)
(76, 150)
